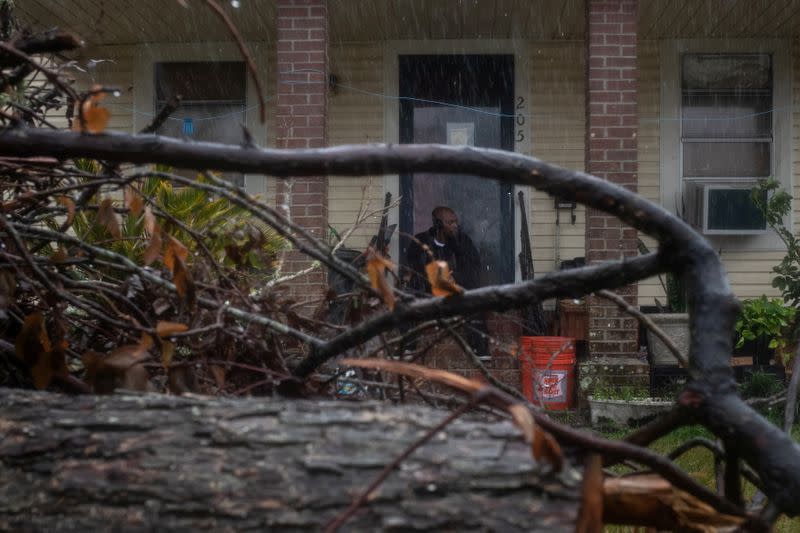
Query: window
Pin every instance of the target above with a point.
(213, 101)
(726, 142)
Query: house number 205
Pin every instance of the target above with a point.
(520, 119)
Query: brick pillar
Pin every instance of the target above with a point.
(611, 154)
(300, 117)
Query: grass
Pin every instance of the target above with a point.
(699, 463)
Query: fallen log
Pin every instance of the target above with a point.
(152, 462)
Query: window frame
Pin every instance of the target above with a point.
(144, 88)
(671, 141)
(237, 178)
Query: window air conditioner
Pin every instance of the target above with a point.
(723, 208)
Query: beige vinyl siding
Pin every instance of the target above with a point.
(111, 67)
(557, 129)
(114, 69)
(649, 150)
(355, 117)
(796, 131)
(750, 273)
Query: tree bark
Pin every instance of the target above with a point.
(154, 462)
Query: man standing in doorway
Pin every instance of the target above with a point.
(447, 242)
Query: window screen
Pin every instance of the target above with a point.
(727, 132)
(213, 100)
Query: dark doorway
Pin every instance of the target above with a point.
(460, 99)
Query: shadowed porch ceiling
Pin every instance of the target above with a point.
(149, 21)
(152, 21)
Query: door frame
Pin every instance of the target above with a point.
(391, 109)
(505, 62)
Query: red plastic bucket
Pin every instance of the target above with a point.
(548, 371)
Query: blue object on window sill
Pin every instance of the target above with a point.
(188, 126)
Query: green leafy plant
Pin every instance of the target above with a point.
(229, 233)
(776, 204)
(765, 318)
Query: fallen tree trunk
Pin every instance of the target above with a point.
(154, 462)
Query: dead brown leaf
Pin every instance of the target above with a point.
(182, 379)
(136, 378)
(219, 375)
(34, 349)
(59, 256)
(174, 249)
(126, 356)
(153, 249)
(543, 445)
(376, 270)
(441, 280)
(8, 287)
(107, 218)
(67, 202)
(181, 278)
(546, 447)
(121, 368)
(95, 118)
(133, 201)
(165, 328)
(167, 350)
(418, 371)
(150, 224)
(523, 419)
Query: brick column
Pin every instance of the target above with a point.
(611, 154)
(300, 118)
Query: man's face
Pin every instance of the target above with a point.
(449, 224)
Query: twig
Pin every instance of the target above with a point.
(164, 113)
(51, 76)
(48, 42)
(482, 368)
(339, 521)
(710, 396)
(791, 394)
(123, 263)
(497, 298)
(733, 483)
(45, 280)
(719, 455)
(497, 398)
(675, 418)
(279, 222)
(251, 65)
(644, 319)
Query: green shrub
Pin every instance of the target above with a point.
(761, 384)
(765, 318)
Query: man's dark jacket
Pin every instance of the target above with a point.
(459, 252)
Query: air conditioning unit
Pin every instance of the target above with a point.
(723, 208)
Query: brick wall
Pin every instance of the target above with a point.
(504, 328)
(300, 119)
(611, 154)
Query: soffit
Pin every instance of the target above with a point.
(670, 19)
(154, 21)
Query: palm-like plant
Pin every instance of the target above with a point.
(190, 215)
